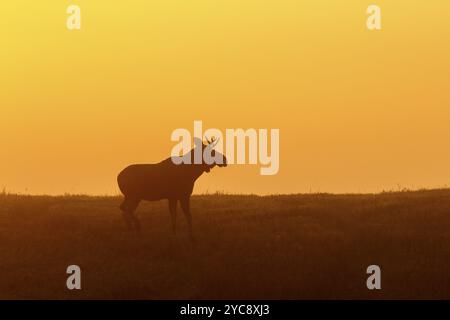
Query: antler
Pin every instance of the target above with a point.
(213, 142)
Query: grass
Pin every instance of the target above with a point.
(271, 247)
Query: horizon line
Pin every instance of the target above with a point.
(221, 193)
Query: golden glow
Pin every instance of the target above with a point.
(358, 110)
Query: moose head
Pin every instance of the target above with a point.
(211, 157)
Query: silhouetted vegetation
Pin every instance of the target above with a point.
(274, 247)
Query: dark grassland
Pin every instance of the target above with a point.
(273, 247)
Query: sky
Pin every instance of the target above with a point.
(357, 110)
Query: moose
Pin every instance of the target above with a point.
(170, 179)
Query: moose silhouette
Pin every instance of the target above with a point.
(165, 180)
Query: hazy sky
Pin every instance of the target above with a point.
(358, 110)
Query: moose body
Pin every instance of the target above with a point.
(163, 180)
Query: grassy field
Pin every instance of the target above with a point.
(273, 247)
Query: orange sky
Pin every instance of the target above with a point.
(358, 110)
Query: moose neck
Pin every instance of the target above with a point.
(195, 170)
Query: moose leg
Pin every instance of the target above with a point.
(137, 223)
(127, 218)
(126, 214)
(173, 212)
(185, 205)
(129, 206)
